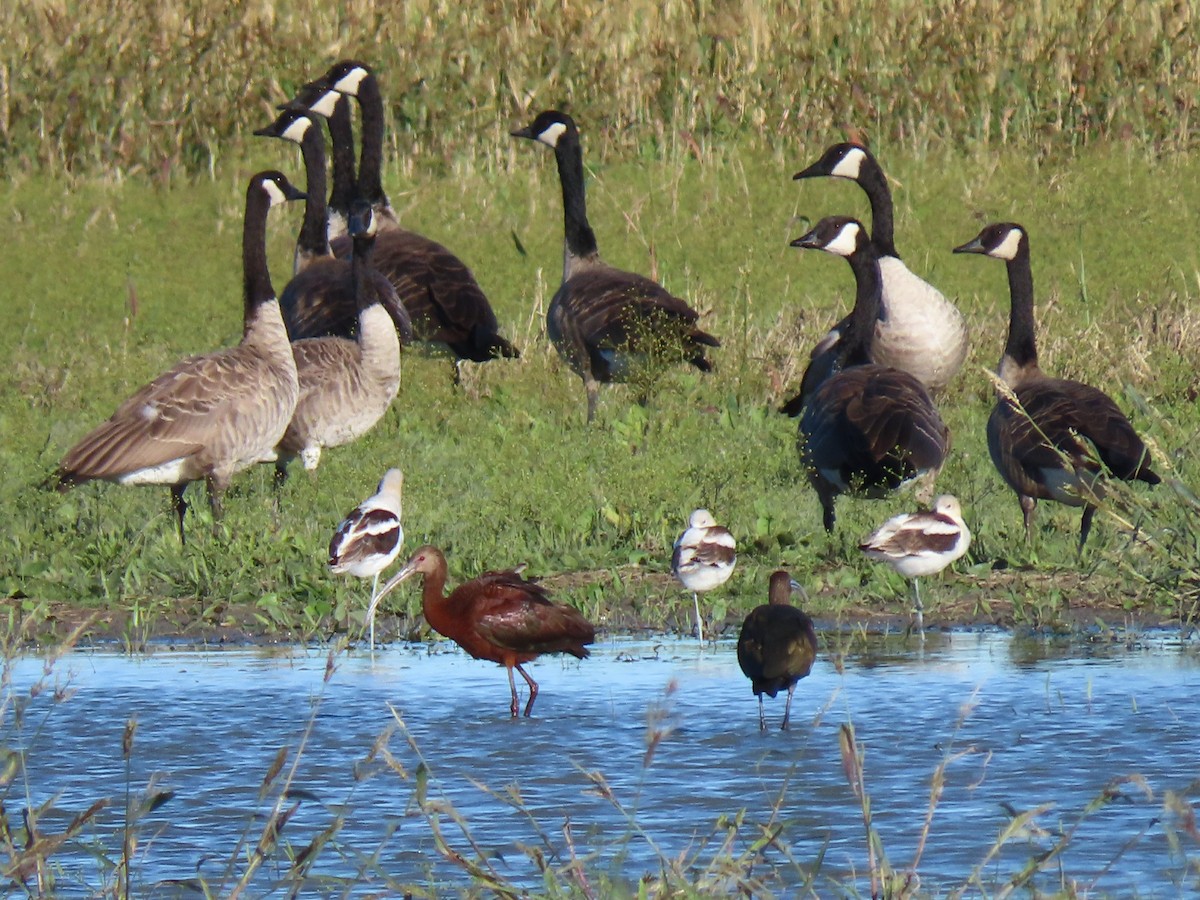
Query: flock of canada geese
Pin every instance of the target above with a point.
(319, 366)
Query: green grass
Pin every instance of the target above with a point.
(505, 470)
(151, 91)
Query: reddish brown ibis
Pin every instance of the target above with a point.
(498, 616)
(777, 646)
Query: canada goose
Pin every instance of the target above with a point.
(703, 558)
(602, 320)
(345, 385)
(867, 428)
(368, 540)
(918, 330)
(321, 279)
(1057, 438)
(213, 415)
(777, 646)
(920, 543)
(441, 294)
(315, 98)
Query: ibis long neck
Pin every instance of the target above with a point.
(579, 239)
(433, 595)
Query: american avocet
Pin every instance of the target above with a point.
(369, 539)
(607, 323)
(867, 428)
(703, 559)
(498, 616)
(921, 543)
(777, 646)
(919, 331)
(1050, 438)
(214, 415)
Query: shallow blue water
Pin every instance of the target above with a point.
(1018, 724)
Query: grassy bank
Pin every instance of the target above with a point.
(505, 470)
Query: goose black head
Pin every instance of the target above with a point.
(1000, 240)
(548, 128)
(362, 221)
(277, 188)
(316, 98)
(839, 161)
(290, 125)
(840, 235)
(346, 76)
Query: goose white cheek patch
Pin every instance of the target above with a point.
(850, 165)
(551, 135)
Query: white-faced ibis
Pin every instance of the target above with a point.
(918, 330)
(607, 323)
(369, 539)
(865, 428)
(704, 557)
(1050, 438)
(777, 646)
(214, 415)
(920, 543)
(499, 616)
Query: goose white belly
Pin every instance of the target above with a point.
(924, 333)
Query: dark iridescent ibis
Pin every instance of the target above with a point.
(1051, 438)
(777, 646)
(866, 429)
(498, 616)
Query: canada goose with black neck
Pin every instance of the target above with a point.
(604, 321)
(1050, 438)
(918, 330)
(214, 415)
(345, 385)
(445, 302)
(866, 428)
(322, 281)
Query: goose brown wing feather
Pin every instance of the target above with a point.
(1059, 417)
(605, 309)
(440, 292)
(319, 301)
(173, 416)
(874, 424)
